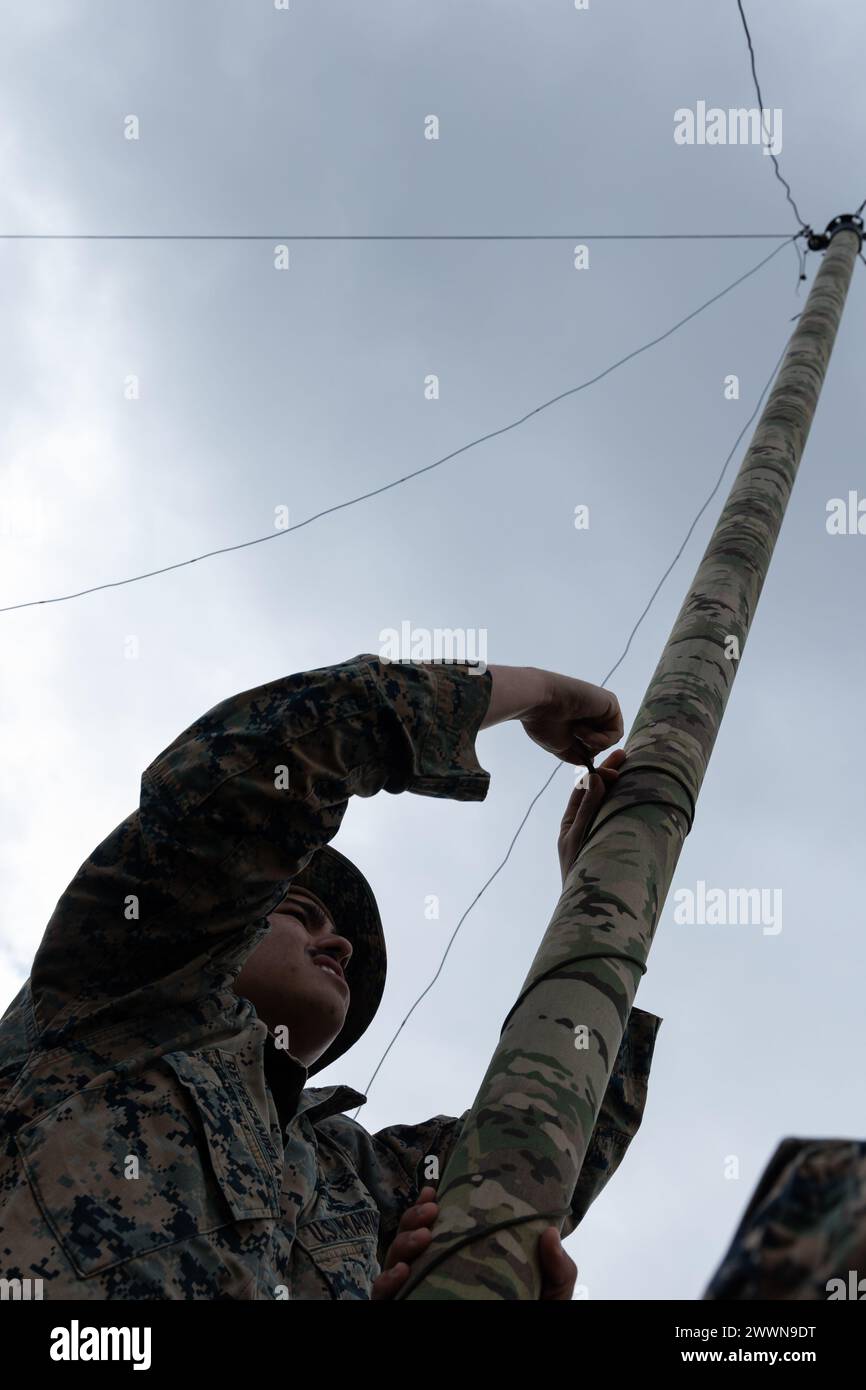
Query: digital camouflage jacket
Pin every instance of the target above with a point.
(156, 1144)
(803, 1233)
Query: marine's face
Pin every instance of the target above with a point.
(296, 975)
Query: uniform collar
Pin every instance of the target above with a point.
(286, 1077)
(318, 1102)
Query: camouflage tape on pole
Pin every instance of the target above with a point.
(516, 1163)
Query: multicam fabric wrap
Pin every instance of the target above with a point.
(155, 1143)
(528, 1132)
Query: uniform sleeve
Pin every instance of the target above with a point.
(166, 909)
(395, 1163)
(621, 1113)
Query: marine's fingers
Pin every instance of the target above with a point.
(408, 1246)
(558, 1270)
(573, 805)
(386, 1284)
(422, 1214)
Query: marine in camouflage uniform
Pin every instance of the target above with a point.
(157, 1141)
(803, 1233)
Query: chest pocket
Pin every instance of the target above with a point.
(337, 1256)
(146, 1161)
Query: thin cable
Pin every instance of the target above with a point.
(783, 181)
(375, 492)
(604, 682)
(415, 236)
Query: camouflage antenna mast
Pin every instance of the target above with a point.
(516, 1164)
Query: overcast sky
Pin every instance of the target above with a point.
(260, 388)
